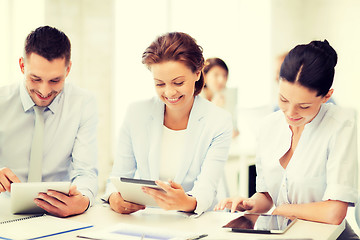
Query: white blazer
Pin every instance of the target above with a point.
(208, 139)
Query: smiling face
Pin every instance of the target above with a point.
(299, 104)
(175, 84)
(44, 79)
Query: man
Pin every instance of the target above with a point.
(69, 145)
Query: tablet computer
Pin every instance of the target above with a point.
(23, 195)
(260, 223)
(130, 190)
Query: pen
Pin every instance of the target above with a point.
(198, 237)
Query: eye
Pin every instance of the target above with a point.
(35, 79)
(304, 107)
(283, 100)
(179, 83)
(160, 84)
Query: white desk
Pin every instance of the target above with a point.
(102, 216)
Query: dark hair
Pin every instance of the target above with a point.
(212, 62)
(311, 65)
(49, 43)
(177, 46)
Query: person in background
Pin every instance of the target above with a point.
(67, 148)
(307, 152)
(177, 136)
(216, 75)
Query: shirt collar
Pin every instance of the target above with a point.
(28, 103)
(316, 121)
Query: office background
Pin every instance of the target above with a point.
(109, 36)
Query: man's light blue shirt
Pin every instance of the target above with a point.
(70, 144)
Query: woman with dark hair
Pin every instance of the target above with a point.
(177, 135)
(307, 152)
(216, 75)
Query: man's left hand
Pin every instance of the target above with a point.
(62, 205)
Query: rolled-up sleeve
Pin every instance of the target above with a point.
(342, 164)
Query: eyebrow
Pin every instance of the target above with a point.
(35, 76)
(297, 104)
(171, 80)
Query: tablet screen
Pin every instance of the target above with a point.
(260, 223)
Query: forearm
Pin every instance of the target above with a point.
(331, 212)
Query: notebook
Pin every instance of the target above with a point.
(38, 226)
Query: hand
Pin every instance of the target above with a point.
(118, 204)
(174, 197)
(236, 204)
(6, 178)
(62, 205)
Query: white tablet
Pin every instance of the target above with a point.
(130, 190)
(260, 223)
(23, 195)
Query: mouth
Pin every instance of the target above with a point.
(294, 119)
(43, 98)
(173, 100)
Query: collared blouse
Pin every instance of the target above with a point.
(323, 166)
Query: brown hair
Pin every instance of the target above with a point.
(177, 46)
(212, 62)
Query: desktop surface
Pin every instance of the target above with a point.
(101, 216)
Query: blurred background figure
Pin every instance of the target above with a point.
(216, 75)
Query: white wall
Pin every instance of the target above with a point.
(17, 19)
(108, 39)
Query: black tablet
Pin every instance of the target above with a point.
(260, 223)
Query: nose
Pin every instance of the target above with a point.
(170, 91)
(221, 82)
(291, 111)
(45, 89)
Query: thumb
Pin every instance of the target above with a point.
(73, 190)
(175, 185)
(248, 204)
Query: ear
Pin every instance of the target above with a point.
(22, 65)
(68, 68)
(328, 95)
(198, 74)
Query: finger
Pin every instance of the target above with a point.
(58, 195)
(166, 187)
(235, 205)
(225, 203)
(132, 206)
(175, 185)
(4, 184)
(52, 201)
(73, 190)
(11, 176)
(46, 206)
(248, 204)
(155, 193)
